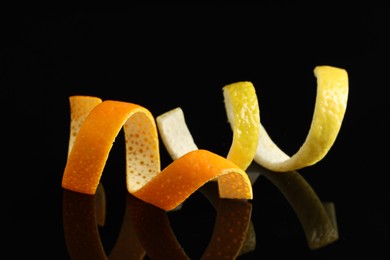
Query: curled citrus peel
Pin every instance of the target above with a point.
(330, 107)
(165, 189)
(242, 110)
(329, 110)
(175, 133)
(96, 136)
(188, 173)
(243, 115)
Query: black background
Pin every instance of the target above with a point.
(163, 57)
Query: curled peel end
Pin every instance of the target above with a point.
(174, 133)
(329, 110)
(188, 173)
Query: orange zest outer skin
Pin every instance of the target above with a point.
(94, 141)
(166, 189)
(188, 173)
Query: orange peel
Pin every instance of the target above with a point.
(94, 138)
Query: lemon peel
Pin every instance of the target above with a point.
(329, 110)
(175, 134)
(243, 114)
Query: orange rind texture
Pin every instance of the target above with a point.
(188, 173)
(95, 139)
(99, 123)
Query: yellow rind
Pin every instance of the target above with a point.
(329, 111)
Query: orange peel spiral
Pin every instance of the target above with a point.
(94, 126)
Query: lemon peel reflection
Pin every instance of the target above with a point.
(317, 219)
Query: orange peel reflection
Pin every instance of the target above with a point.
(229, 236)
(146, 230)
(82, 214)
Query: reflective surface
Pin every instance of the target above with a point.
(147, 231)
(165, 57)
